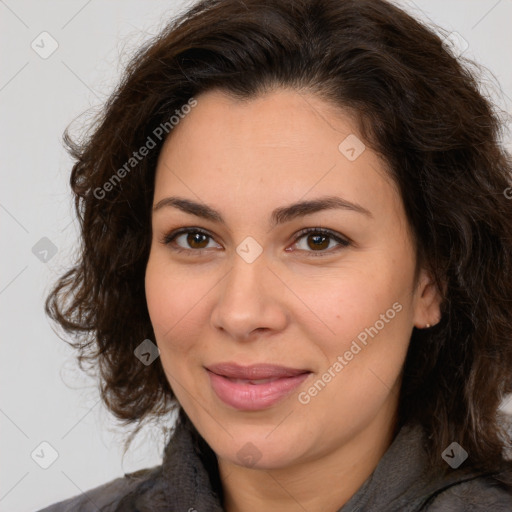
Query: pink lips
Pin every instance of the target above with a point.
(240, 386)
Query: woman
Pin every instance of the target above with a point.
(296, 231)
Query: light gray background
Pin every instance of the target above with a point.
(44, 397)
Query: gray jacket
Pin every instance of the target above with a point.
(400, 482)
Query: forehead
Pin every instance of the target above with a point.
(271, 149)
(283, 119)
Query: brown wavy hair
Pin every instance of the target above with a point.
(416, 105)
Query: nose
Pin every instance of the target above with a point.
(249, 300)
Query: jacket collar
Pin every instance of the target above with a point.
(188, 478)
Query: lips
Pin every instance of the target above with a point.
(254, 387)
(255, 372)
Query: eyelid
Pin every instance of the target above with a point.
(342, 241)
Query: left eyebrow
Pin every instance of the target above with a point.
(278, 216)
(300, 209)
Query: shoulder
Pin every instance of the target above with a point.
(105, 497)
(476, 495)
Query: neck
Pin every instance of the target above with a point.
(323, 483)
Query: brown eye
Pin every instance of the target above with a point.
(320, 241)
(196, 240)
(191, 240)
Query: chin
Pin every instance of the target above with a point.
(256, 449)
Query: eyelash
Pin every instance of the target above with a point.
(169, 238)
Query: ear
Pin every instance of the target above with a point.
(428, 298)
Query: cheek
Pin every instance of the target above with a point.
(176, 304)
(175, 301)
(361, 314)
(364, 349)
(165, 308)
(169, 297)
(346, 302)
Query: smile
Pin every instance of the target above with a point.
(253, 394)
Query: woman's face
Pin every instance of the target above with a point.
(252, 289)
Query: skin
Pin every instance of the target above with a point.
(290, 306)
